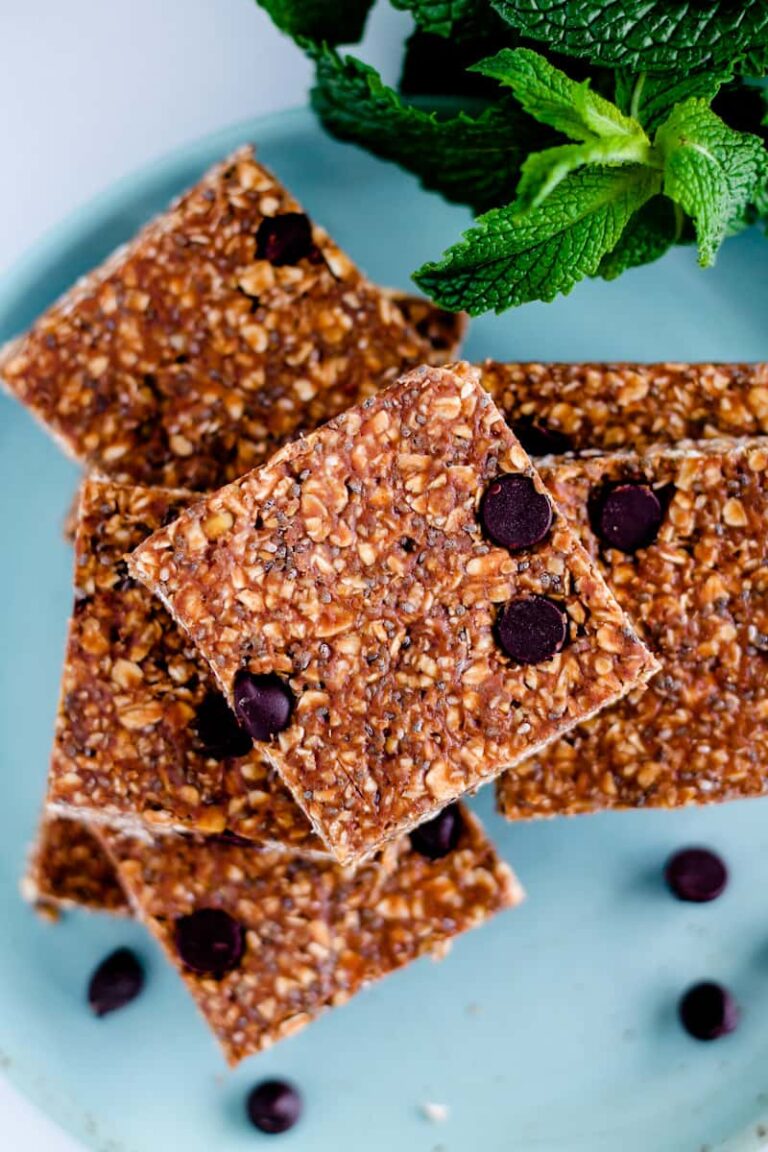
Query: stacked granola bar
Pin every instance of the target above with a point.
(230, 326)
(322, 594)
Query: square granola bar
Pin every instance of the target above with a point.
(395, 609)
(228, 326)
(266, 942)
(680, 537)
(557, 408)
(143, 736)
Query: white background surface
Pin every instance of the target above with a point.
(89, 91)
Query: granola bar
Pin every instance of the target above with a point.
(680, 537)
(377, 644)
(68, 868)
(266, 942)
(557, 408)
(228, 326)
(143, 737)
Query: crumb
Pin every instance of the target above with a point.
(435, 1113)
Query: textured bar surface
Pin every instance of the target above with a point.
(353, 566)
(68, 868)
(630, 406)
(212, 338)
(315, 934)
(129, 748)
(699, 597)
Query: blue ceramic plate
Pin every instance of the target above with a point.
(553, 1029)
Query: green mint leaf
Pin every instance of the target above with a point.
(650, 97)
(334, 21)
(650, 233)
(474, 160)
(508, 259)
(543, 171)
(554, 99)
(645, 35)
(712, 171)
(446, 17)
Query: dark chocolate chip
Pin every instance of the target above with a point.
(231, 838)
(539, 440)
(117, 980)
(210, 941)
(274, 1106)
(514, 514)
(628, 516)
(285, 239)
(218, 730)
(696, 875)
(532, 629)
(439, 836)
(263, 703)
(708, 1011)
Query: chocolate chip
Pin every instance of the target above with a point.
(514, 514)
(210, 941)
(627, 516)
(284, 239)
(696, 875)
(263, 703)
(218, 730)
(117, 980)
(532, 629)
(437, 837)
(274, 1106)
(708, 1011)
(539, 440)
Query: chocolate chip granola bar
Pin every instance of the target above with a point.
(227, 327)
(143, 737)
(395, 609)
(557, 408)
(680, 537)
(266, 942)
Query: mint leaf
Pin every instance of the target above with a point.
(710, 170)
(650, 97)
(446, 17)
(553, 98)
(474, 160)
(543, 171)
(508, 259)
(650, 233)
(645, 35)
(334, 21)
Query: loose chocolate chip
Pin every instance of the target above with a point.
(539, 440)
(532, 629)
(627, 516)
(708, 1011)
(116, 982)
(274, 1106)
(263, 704)
(696, 875)
(514, 514)
(284, 239)
(218, 730)
(210, 941)
(439, 836)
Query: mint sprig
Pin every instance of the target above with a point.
(511, 257)
(332, 21)
(472, 158)
(710, 170)
(576, 203)
(646, 35)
